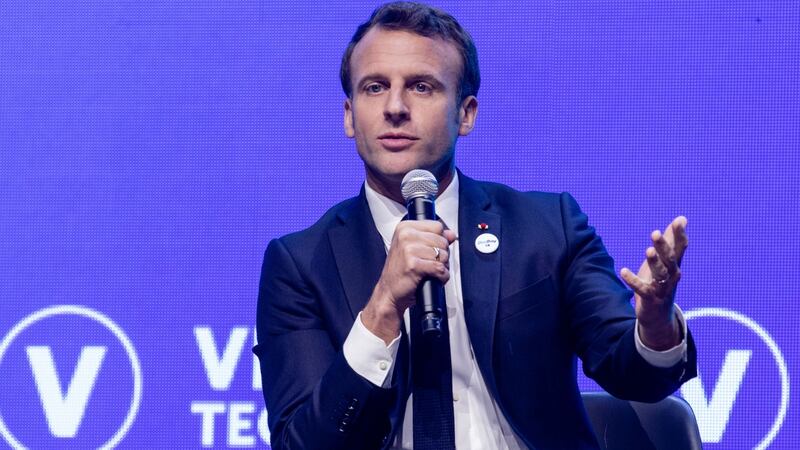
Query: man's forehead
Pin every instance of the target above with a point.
(397, 49)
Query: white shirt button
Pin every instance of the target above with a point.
(383, 365)
(455, 397)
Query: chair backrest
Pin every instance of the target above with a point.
(620, 424)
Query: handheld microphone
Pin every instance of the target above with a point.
(419, 188)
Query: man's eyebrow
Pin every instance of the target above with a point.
(426, 77)
(369, 78)
(413, 78)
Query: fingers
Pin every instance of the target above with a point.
(634, 282)
(658, 276)
(429, 232)
(421, 248)
(421, 264)
(658, 270)
(671, 245)
(655, 278)
(681, 241)
(664, 255)
(430, 226)
(433, 253)
(647, 289)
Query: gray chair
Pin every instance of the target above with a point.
(620, 424)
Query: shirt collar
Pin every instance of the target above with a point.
(387, 213)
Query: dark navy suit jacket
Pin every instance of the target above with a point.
(547, 294)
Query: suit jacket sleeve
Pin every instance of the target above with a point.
(603, 330)
(314, 399)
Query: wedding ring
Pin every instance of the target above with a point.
(437, 252)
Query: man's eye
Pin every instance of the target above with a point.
(422, 87)
(374, 88)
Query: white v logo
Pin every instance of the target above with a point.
(64, 413)
(712, 416)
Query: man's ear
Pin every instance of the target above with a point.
(467, 113)
(349, 130)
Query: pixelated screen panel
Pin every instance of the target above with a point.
(150, 150)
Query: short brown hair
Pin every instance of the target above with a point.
(424, 21)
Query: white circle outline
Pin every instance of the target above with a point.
(776, 354)
(111, 326)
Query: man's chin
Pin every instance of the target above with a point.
(392, 174)
(397, 173)
(388, 177)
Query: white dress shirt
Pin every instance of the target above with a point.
(479, 423)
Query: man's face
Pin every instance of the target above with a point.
(404, 112)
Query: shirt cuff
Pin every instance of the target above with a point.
(368, 355)
(666, 358)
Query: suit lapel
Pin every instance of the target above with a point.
(480, 273)
(360, 255)
(359, 252)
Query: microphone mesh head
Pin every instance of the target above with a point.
(419, 183)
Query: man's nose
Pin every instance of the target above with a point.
(396, 109)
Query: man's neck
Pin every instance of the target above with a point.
(392, 189)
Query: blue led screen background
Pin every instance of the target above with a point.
(150, 150)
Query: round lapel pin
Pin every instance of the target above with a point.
(487, 243)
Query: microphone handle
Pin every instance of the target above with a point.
(430, 292)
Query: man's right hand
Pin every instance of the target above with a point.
(412, 257)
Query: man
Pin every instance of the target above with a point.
(333, 312)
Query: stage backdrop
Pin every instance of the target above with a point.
(149, 150)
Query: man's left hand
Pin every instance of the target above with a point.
(654, 286)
